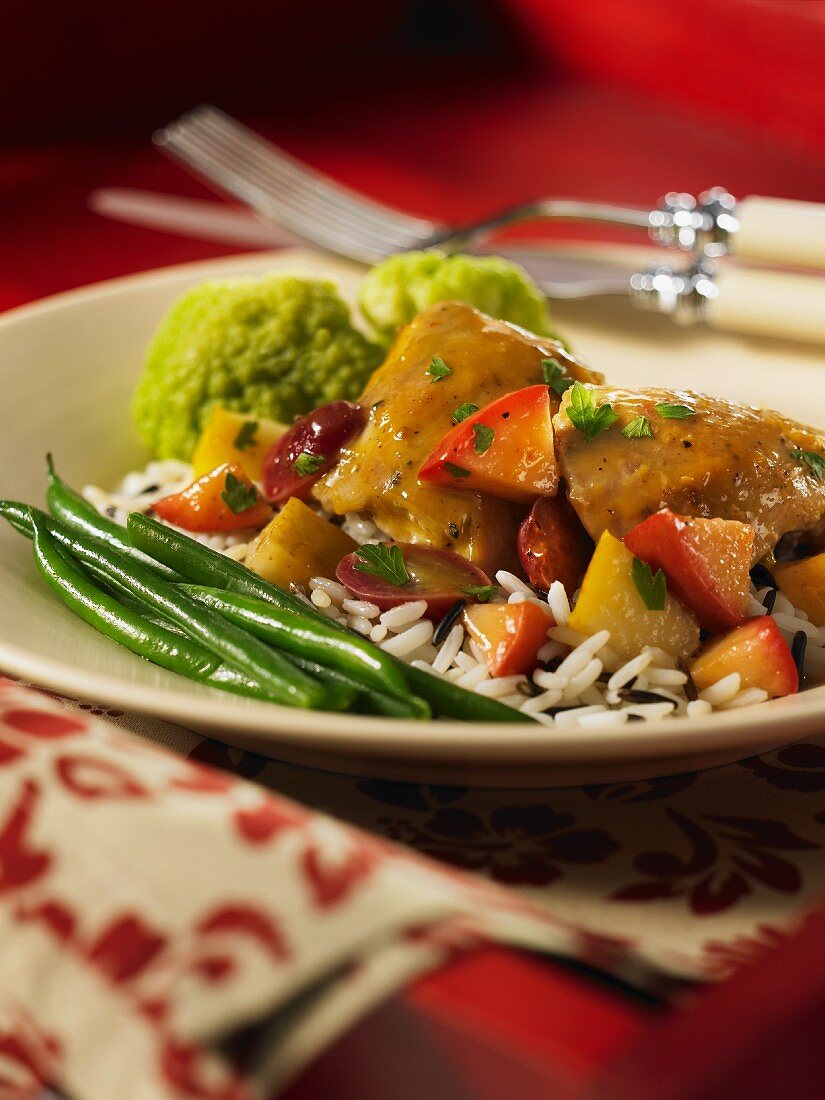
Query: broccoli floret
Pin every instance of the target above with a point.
(274, 347)
(398, 288)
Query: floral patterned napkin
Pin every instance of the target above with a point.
(152, 909)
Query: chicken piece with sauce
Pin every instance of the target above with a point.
(410, 410)
(726, 460)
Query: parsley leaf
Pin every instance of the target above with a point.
(638, 428)
(383, 561)
(586, 416)
(814, 462)
(482, 592)
(553, 374)
(651, 587)
(307, 464)
(483, 438)
(456, 471)
(674, 412)
(438, 369)
(238, 496)
(246, 436)
(463, 411)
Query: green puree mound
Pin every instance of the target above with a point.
(274, 347)
(398, 288)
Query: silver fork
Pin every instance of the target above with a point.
(286, 192)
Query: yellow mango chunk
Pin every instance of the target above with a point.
(803, 582)
(609, 600)
(298, 544)
(235, 437)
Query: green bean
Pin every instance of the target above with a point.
(369, 702)
(70, 508)
(450, 701)
(304, 636)
(278, 676)
(128, 628)
(204, 566)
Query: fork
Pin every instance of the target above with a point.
(309, 204)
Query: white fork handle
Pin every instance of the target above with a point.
(780, 231)
(769, 303)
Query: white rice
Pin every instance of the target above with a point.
(590, 686)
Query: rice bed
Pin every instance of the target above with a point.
(581, 682)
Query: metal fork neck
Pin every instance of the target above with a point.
(702, 225)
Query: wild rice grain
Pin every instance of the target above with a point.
(538, 703)
(745, 698)
(332, 588)
(470, 680)
(409, 640)
(583, 680)
(498, 687)
(723, 690)
(629, 671)
(650, 711)
(361, 607)
(573, 715)
(510, 583)
(403, 614)
(449, 648)
(558, 603)
(606, 718)
(666, 677)
(698, 708)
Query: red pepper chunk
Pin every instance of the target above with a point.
(222, 500)
(505, 449)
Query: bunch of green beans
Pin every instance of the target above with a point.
(196, 612)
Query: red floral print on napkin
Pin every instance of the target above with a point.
(727, 856)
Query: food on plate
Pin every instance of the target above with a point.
(273, 347)
(632, 603)
(505, 449)
(706, 562)
(479, 528)
(756, 653)
(235, 437)
(296, 545)
(553, 545)
(450, 355)
(222, 500)
(402, 286)
(508, 635)
(697, 456)
(391, 575)
(803, 583)
(309, 448)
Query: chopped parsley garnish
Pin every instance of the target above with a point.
(456, 471)
(553, 374)
(814, 462)
(483, 438)
(438, 369)
(237, 496)
(674, 412)
(246, 436)
(383, 561)
(463, 411)
(307, 464)
(651, 587)
(638, 428)
(588, 417)
(481, 592)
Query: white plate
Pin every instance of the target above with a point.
(67, 369)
